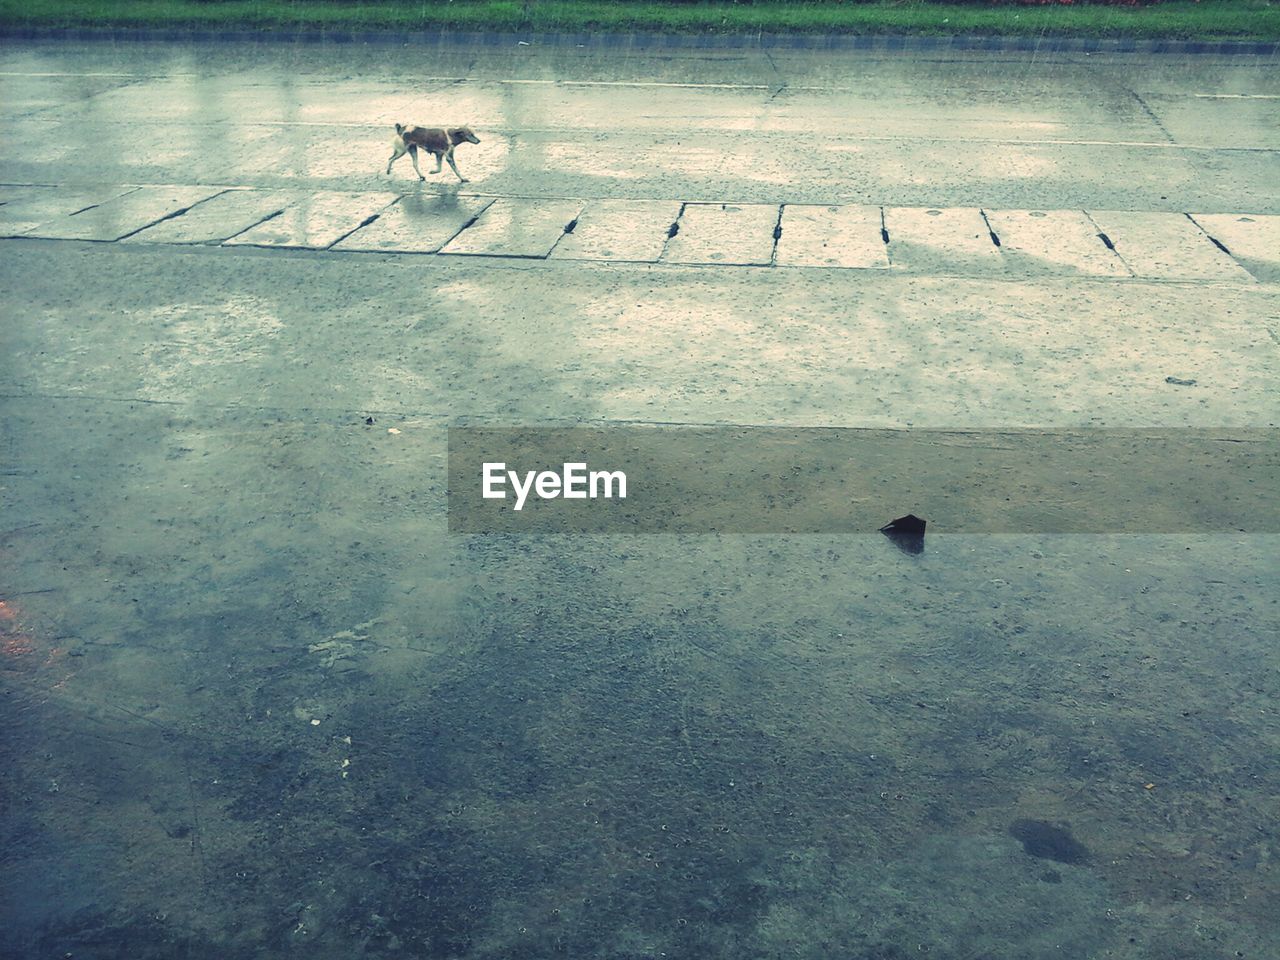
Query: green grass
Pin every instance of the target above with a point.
(1181, 19)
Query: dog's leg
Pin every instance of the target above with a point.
(449, 156)
(437, 169)
(413, 155)
(398, 149)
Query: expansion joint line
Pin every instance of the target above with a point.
(1152, 115)
(777, 235)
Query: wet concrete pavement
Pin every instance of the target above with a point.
(258, 700)
(1060, 131)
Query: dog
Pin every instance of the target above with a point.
(431, 139)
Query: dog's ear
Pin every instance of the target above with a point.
(399, 128)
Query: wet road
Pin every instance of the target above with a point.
(259, 702)
(1060, 131)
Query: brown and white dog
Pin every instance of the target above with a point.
(431, 139)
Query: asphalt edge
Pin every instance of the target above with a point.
(874, 43)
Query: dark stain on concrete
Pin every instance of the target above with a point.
(1048, 842)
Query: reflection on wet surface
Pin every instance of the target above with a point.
(120, 216)
(517, 227)
(418, 223)
(316, 220)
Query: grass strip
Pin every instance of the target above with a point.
(1175, 19)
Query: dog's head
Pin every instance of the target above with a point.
(463, 135)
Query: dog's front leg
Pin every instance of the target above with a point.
(413, 155)
(437, 169)
(461, 178)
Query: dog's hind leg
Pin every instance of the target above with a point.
(413, 155)
(398, 149)
(449, 156)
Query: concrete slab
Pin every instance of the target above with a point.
(856, 348)
(845, 236)
(26, 93)
(516, 227)
(1227, 122)
(619, 230)
(25, 208)
(724, 234)
(964, 111)
(218, 218)
(123, 215)
(1053, 243)
(1166, 246)
(418, 223)
(317, 221)
(943, 240)
(1254, 241)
